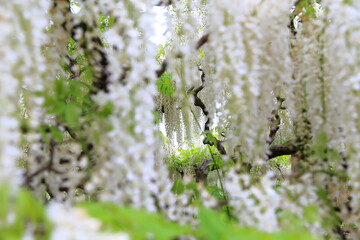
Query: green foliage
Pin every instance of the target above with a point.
(58, 136)
(192, 156)
(105, 23)
(160, 53)
(280, 161)
(308, 6)
(210, 138)
(291, 221)
(71, 47)
(178, 187)
(212, 226)
(139, 224)
(165, 84)
(216, 192)
(201, 54)
(310, 214)
(69, 100)
(106, 110)
(21, 210)
(333, 219)
(320, 148)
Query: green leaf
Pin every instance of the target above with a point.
(165, 84)
(311, 213)
(216, 192)
(106, 110)
(138, 223)
(210, 223)
(25, 212)
(58, 136)
(321, 140)
(72, 115)
(178, 187)
(334, 218)
(72, 47)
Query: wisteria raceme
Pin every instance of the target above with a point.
(251, 56)
(320, 101)
(52, 166)
(185, 24)
(262, 206)
(342, 66)
(121, 140)
(128, 172)
(21, 66)
(185, 29)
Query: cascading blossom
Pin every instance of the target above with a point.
(342, 52)
(128, 156)
(250, 51)
(21, 65)
(185, 24)
(129, 172)
(52, 166)
(262, 206)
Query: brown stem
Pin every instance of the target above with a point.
(204, 39)
(162, 69)
(163, 3)
(275, 121)
(203, 170)
(48, 167)
(282, 149)
(199, 103)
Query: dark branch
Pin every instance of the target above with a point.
(202, 41)
(47, 167)
(275, 120)
(203, 170)
(162, 69)
(72, 134)
(274, 125)
(163, 3)
(199, 103)
(29, 176)
(282, 149)
(297, 2)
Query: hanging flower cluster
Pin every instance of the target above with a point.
(21, 66)
(251, 60)
(54, 166)
(128, 169)
(342, 69)
(185, 23)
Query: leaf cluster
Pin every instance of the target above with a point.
(189, 158)
(20, 211)
(165, 84)
(140, 224)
